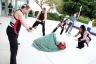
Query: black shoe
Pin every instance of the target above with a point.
(18, 43)
(43, 35)
(79, 47)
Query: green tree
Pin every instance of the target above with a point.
(88, 7)
(59, 5)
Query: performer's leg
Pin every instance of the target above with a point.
(62, 29)
(69, 28)
(72, 24)
(43, 28)
(13, 46)
(35, 24)
(56, 28)
(81, 44)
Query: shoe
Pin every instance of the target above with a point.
(78, 47)
(69, 33)
(43, 35)
(18, 43)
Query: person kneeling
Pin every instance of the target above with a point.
(84, 38)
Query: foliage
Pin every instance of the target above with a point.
(30, 14)
(55, 16)
(94, 23)
(88, 7)
(71, 7)
(89, 10)
(83, 19)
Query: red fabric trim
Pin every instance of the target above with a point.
(15, 26)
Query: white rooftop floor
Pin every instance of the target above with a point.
(29, 55)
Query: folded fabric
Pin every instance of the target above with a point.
(46, 43)
(59, 39)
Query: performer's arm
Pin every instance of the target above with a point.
(21, 18)
(38, 14)
(77, 34)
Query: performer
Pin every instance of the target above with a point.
(41, 18)
(49, 43)
(62, 25)
(84, 38)
(89, 26)
(71, 23)
(13, 30)
(10, 8)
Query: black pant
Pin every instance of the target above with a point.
(62, 29)
(43, 26)
(81, 43)
(13, 44)
(10, 11)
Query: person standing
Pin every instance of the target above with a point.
(89, 26)
(13, 30)
(41, 18)
(10, 8)
(84, 37)
(71, 23)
